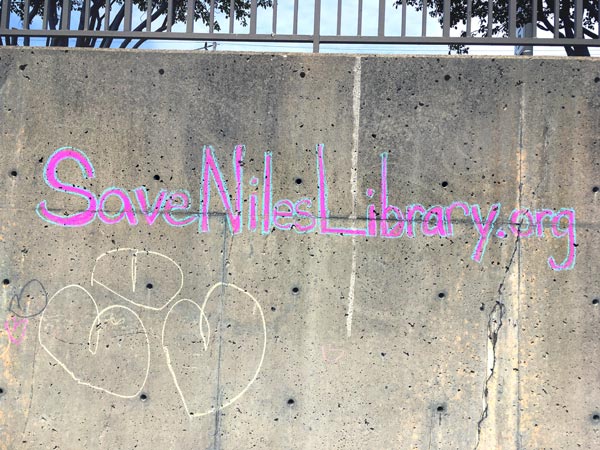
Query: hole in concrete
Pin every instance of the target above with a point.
(440, 408)
(161, 71)
(149, 286)
(594, 189)
(273, 308)
(442, 295)
(444, 184)
(596, 417)
(157, 177)
(6, 282)
(298, 180)
(1, 391)
(302, 74)
(13, 173)
(595, 301)
(143, 397)
(447, 77)
(291, 401)
(295, 290)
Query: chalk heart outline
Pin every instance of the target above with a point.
(16, 324)
(126, 293)
(206, 341)
(94, 350)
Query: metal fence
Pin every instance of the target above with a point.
(457, 23)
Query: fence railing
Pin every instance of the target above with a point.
(93, 23)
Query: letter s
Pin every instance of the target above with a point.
(51, 178)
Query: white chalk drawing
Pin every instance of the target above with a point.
(106, 318)
(92, 342)
(206, 339)
(135, 254)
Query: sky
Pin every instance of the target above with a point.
(328, 27)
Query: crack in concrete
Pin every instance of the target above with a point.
(499, 310)
(217, 434)
(494, 325)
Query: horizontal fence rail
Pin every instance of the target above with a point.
(101, 23)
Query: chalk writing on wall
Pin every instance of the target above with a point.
(108, 348)
(15, 329)
(29, 302)
(382, 218)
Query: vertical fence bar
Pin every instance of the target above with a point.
(317, 27)
(490, 19)
(169, 15)
(4, 18)
(533, 18)
(211, 25)
(149, 8)
(469, 16)
(26, 15)
(446, 26)
(252, 17)
(127, 24)
(359, 25)
(381, 21)
(65, 15)
(403, 31)
(424, 20)
(45, 16)
(556, 18)
(512, 18)
(86, 15)
(26, 40)
(189, 16)
(295, 25)
(339, 18)
(578, 19)
(274, 27)
(107, 14)
(231, 15)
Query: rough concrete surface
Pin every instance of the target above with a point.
(403, 255)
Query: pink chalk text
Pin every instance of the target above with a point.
(307, 214)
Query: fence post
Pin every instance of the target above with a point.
(317, 27)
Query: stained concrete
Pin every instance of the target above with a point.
(153, 336)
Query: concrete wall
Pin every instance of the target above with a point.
(426, 278)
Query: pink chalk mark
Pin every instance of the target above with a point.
(16, 323)
(484, 228)
(569, 233)
(50, 175)
(283, 209)
(150, 212)
(304, 215)
(397, 229)
(465, 209)
(178, 200)
(126, 209)
(323, 206)
(211, 168)
(267, 194)
(434, 213)
(517, 224)
(331, 354)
